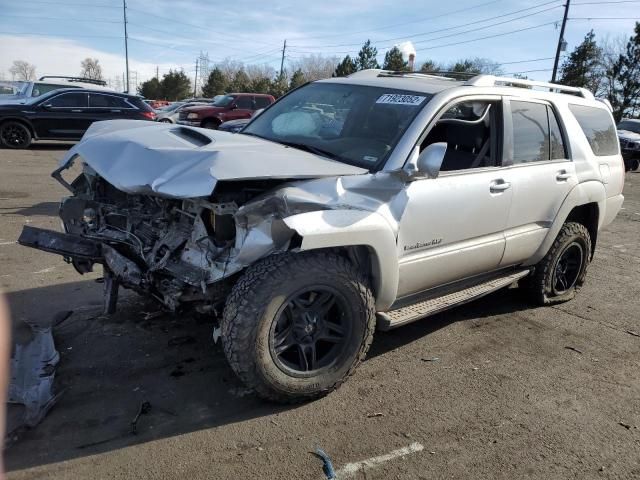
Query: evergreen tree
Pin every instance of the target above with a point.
(430, 67)
(582, 67)
(260, 85)
(464, 69)
(151, 89)
(297, 79)
(367, 57)
(624, 93)
(279, 86)
(240, 83)
(175, 86)
(216, 84)
(346, 67)
(394, 61)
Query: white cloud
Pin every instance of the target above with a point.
(55, 56)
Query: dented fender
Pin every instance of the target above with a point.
(339, 228)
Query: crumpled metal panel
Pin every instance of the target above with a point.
(174, 161)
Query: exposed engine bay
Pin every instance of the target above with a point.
(175, 250)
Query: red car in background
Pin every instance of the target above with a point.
(233, 106)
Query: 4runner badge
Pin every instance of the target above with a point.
(430, 243)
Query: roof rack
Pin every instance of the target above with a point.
(75, 79)
(492, 81)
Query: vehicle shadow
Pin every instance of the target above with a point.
(41, 208)
(41, 145)
(110, 366)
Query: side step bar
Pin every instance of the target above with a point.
(402, 316)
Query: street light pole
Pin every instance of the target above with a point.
(126, 40)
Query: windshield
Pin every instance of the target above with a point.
(629, 126)
(223, 101)
(353, 124)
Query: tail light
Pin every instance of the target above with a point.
(149, 115)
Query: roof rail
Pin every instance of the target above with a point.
(492, 80)
(376, 72)
(76, 79)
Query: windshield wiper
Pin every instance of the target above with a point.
(312, 149)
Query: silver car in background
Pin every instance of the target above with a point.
(169, 114)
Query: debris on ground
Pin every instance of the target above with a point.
(375, 414)
(432, 359)
(145, 408)
(217, 333)
(327, 466)
(574, 349)
(625, 425)
(631, 332)
(33, 367)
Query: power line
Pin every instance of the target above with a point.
(473, 7)
(92, 20)
(603, 18)
(454, 26)
(72, 4)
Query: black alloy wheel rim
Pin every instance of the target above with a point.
(311, 331)
(14, 135)
(568, 268)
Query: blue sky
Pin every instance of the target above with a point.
(56, 36)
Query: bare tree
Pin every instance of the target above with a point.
(315, 67)
(610, 50)
(256, 72)
(91, 68)
(229, 68)
(21, 70)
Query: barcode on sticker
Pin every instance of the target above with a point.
(399, 99)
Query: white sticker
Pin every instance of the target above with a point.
(398, 99)
(369, 158)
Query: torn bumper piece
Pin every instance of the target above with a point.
(63, 244)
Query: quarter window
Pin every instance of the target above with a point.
(262, 102)
(69, 100)
(597, 125)
(245, 103)
(536, 134)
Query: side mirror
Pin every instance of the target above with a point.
(234, 107)
(428, 163)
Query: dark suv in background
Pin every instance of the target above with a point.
(233, 106)
(65, 114)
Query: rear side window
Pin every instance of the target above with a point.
(536, 134)
(245, 103)
(97, 100)
(598, 127)
(69, 100)
(262, 102)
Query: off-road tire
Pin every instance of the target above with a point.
(15, 135)
(251, 309)
(635, 164)
(538, 286)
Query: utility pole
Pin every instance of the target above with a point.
(126, 40)
(195, 80)
(157, 72)
(284, 49)
(560, 41)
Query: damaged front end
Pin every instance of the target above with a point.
(179, 251)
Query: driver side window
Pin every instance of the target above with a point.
(470, 130)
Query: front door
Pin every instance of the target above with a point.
(540, 173)
(63, 116)
(243, 108)
(453, 225)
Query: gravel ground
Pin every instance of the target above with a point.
(493, 389)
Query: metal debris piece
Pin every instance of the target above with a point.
(145, 407)
(217, 333)
(625, 425)
(375, 414)
(327, 466)
(573, 349)
(432, 359)
(32, 373)
(631, 332)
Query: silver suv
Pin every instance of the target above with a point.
(352, 203)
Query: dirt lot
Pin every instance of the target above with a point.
(494, 389)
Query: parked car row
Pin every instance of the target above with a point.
(234, 106)
(629, 136)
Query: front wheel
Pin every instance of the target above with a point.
(564, 268)
(635, 164)
(297, 325)
(15, 135)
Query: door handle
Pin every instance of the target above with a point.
(563, 176)
(499, 186)
(76, 111)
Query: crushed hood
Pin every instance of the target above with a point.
(183, 162)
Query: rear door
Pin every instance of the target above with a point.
(103, 106)
(538, 167)
(63, 116)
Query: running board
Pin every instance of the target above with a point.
(411, 313)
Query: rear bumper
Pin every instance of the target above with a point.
(612, 208)
(67, 245)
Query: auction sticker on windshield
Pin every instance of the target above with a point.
(399, 99)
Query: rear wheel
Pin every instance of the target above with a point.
(563, 269)
(15, 135)
(296, 325)
(635, 164)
